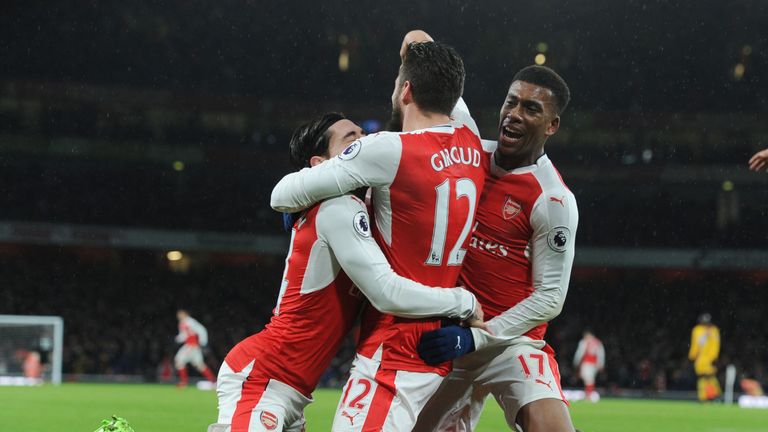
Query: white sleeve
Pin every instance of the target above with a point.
(579, 353)
(344, 225)
(600, 355)
(199, 330)
(181, 337)
(554, 231)
(461, 116)
(370, 161)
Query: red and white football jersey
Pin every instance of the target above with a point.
(192, 333)
(521, 253)
(331, 247)
(590, 351)
(426, 186)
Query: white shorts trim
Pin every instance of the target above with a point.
(189, 354)
(366, 395)
(280, 407)
(515, 375)
(588, 372)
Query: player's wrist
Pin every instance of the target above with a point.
(467, 305)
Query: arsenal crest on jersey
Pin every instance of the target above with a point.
(268, 420)
(511, 208)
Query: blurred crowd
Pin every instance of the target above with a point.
(119, 314)
(120, 311)
(105, 156)
(177, 114)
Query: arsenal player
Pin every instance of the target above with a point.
(193, 336)
(589, 359)
(426, 184)
(518, 265)
(268, 378)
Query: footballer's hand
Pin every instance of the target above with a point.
(445, 344)
(759, 161)
(476, 319)
(411, 37)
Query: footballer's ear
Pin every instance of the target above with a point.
(406, 94)
(316, 160)
(554, 125)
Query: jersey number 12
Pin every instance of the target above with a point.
(464, 188)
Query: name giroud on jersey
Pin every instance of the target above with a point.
(455, 155)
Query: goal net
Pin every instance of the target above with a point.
(30, 349)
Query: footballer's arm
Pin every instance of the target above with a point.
(199, 330)
(460, 113)
(554, 230)
(372, 160)
(344, 225)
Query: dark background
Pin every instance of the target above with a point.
(100, 100)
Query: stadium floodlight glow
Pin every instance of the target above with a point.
(728, 185)
(540, 59)
(738, 71)
(542, 47)
(746, 50)
(174, 255)
(41, 338)
(344, 60)
(178, 165)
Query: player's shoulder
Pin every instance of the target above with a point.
(550, 180)
(374, 145)
(489, 146)
(344, 211)
(341, 204)
(385, 138)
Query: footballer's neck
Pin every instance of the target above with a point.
(415, 119)
(510, 162)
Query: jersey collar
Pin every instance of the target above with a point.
(500, 172)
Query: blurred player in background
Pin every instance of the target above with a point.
(589, 359)
(759, 161)
(425, 184)
(268, 378)
(705, 349)
(519, 266)
(193, 336)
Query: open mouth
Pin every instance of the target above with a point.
(511, 134)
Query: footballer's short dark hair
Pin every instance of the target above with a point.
(547, 78)
(312, 139)
(436, 73)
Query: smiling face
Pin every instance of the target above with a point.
(528, 117)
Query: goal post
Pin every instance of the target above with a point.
(31, 349)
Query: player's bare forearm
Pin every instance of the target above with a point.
(476, 320)
(759, 161)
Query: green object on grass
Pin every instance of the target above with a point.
(115, 424)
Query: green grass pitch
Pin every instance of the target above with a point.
(164, 408)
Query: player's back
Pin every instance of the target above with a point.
(516, 209)
(424, 218)
(316, 308)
